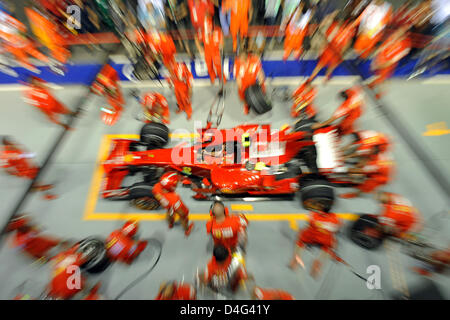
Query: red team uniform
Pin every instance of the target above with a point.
(246, 72)
(378, 172)
(227, 233)
(156, 107)
(212, 39)
(199, 10)
(373, 21)
(399, 214)
(385, 62)
(107, 84)
(39, 96)
(164, 192)
(239, 18)
(371, 143)
(63, 272)
(16, 162)
(182, 81)
(349, 111)
(121, 246)
(221, 275)
(295, 33)
(320, 231)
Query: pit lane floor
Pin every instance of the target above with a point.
(78, 212)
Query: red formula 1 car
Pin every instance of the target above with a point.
(247, 161)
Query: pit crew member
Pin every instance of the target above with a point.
(181, 79)
(38, 94)
(398, 217)
(28, 238)
(107, 84)
(248, 71)
(224, 271)
(373, 22)
(321, 231)
(155, 107)
(241, 10)
(227, 230)
(348, 112)
(121, 244)
(376, 173)
(164, 192)
(17, 162)
(212, 38)
(368, 145)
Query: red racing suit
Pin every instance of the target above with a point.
(212, 39)
(239, 18)
(386, 61)
(63, 271)
(321, 231)
(349, 111)
(226, 274)
(107, 84)
(121, 247)
(164, 192)
(295, 33)
(34, 244)
(228, 232)
(371, 143)
(155, 106)
(378, 173)
(399, 214)
(246, 72)
(17, 163)
(41, 98)
(182, 81)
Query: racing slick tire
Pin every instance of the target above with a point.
(142, 198)
(317, 194)
(361, 238)
(155, 135)
(257, 100)
(97, 260)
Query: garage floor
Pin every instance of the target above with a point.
(79, 212)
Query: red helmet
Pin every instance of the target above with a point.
(130, 228)
(169, 181)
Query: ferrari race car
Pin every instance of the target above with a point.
(249, 161)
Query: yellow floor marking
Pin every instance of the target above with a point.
(437, 129)
(94, 191)
(241, 207)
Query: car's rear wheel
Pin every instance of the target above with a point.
(257, 99)
(304, 125)
(363, 232)
(95, 252)
(155, 135)
(142, 198)
(317, 195)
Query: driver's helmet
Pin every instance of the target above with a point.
(130, 228)
(169, 181)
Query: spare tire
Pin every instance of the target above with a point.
(362, 238)
(257, 99)
(317, 194)
(97, 258)
(155, 135)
